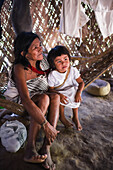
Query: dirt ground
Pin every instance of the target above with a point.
(90, 149)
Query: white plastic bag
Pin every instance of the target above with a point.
(13, 134)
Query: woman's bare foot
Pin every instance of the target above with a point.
(48, 163)
(65, 122)
(77, 124)
(32, 156)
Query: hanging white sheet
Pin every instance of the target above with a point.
(73, 18)
(104, 13)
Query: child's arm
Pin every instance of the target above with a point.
(79, 90)
(63, 99)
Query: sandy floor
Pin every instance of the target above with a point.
(90, 149)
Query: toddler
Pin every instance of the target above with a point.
(66, 81)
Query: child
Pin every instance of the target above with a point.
(65, 80)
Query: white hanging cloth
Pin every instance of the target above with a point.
(104, 14)
(73, 18)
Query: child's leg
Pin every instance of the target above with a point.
(63, 119)
(75, 119)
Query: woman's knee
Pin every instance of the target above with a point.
(41, 98)
(46, 99)
(55, 97)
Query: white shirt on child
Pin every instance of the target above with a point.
(70, 86)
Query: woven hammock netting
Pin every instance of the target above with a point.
(94, 57)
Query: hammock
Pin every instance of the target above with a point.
(96, 67)
(46, 24)
(90, 74)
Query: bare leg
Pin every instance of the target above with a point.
(31, 153)
(75, 119)
(53, 116)
(63, 118)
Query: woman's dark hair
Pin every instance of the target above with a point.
(55, 52)
(22, 43)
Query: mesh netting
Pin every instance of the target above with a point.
(46, 18)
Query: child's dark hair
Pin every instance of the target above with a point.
(22, 43)
(55, 52)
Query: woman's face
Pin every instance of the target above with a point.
(35, 51)
(62, 63)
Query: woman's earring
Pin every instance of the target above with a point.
(22, 53)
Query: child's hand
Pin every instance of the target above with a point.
(63, 99)
(78, 97)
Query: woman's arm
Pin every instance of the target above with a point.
(30, 106)
(33, 110)
(63, 99)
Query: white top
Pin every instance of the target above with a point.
(73, 18)
(103, 10)
(70, 86)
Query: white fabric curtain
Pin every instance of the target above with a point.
(104, 14)
(73, 18)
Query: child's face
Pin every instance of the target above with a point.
(62, 63)
(35, 51)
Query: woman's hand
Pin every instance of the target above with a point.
(50, 132)
(63, 99)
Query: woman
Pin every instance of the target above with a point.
(28, 86)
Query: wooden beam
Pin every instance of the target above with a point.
(13, 107)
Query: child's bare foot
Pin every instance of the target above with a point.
(65, 122)
(77, 124)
